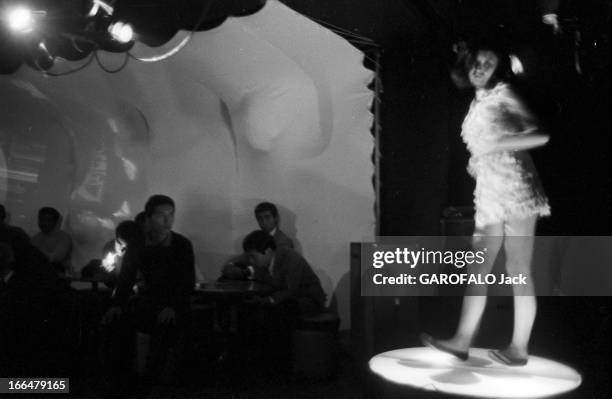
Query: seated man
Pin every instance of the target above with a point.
(13, 231)
(286, 271)
(53, 242)
(268, 219)
(166, 265)
(30, 295)
(295, 290)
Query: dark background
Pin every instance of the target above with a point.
(422, 157)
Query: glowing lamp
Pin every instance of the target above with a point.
(20, 20)
(121, 32)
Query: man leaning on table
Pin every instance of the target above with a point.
(295, 290)
(268, 219)
(291, 278)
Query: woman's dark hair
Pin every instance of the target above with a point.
(130, 232)
(466, 56)
(141, 219)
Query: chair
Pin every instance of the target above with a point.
(314, 345)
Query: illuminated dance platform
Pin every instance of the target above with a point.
(480, 377)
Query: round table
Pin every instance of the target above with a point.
(231, 288)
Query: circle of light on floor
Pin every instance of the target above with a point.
(479, 376)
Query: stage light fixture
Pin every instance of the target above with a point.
(20, 19)
(121, 32)
(99, 4)
(43, 60)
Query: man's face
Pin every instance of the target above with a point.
(162, 219)
(257, 259)
(267, 222)
(46, 223)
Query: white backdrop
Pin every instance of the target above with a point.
(266, 107)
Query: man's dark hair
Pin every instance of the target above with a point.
(259, 241)
(48, 211)
(156, 200)
(130, 232)
(266, 207)
(2, 213)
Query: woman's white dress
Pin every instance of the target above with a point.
(507, 184)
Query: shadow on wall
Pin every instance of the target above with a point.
(288, 224)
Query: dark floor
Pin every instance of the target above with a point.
(573, 330)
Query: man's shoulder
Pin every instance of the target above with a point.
(287, 255)
(179, 239)
(282, 239)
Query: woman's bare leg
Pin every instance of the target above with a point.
(519, 250)
(475, 300)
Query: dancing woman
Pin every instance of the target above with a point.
(498, 130)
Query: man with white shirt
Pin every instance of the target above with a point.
(268, 219)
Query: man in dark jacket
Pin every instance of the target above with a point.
(160, 308)
(295, 290)
(286, 271)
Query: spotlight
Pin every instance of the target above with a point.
(20, 20)
(121, 32)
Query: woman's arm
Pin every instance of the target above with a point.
(519, 127)
(520, 142)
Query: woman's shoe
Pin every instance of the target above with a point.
(430, 341)
(504, 357)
